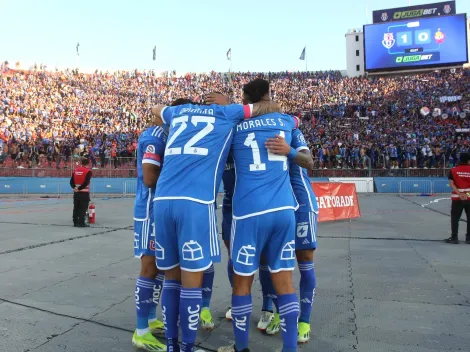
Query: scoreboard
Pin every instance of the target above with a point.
(417, 43)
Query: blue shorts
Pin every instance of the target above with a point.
(186, 235)
(226, 224)
(306, 230)
(144, 238)
(270, 235)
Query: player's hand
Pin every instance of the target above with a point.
(463, 196)
(277, 145)
(217, 98)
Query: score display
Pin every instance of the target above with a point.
(418, 43)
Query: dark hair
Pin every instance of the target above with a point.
(182, 101)
(85, 161)
(256, 89)
(464, 158)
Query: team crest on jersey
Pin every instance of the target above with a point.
(384, 16)
(447, 9)
(388, 41)
(150, 149)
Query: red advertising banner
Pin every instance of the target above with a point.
(336, 201)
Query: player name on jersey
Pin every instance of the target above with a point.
(260, 122)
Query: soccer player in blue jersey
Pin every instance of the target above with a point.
(150, 151)
(306, 217)
(186, 229)
(263, 220)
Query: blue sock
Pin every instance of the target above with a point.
(170, 312)
(207, 282)
(190, 308)
(308, 282)
(143, 300)
(265, 280)
(289, 314)
(241, 312)
(230, 271)
(158, 285)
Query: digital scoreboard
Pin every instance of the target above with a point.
(416, 43)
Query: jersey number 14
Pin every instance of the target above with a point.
(257, 165)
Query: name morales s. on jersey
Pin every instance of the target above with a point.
(197, 148)
(299, 178)
(150, 149)
(262, 179)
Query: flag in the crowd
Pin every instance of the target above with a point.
(229, 54)
(154, 53)
(78, 44)
(302, 56)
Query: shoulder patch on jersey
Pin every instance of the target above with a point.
(150, 149)
(301, 138)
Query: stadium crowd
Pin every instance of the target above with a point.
(417, 121)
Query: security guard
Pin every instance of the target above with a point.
(80, 182)
(459, 180)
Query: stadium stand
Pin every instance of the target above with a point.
(48, 118)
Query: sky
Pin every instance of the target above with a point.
(190, 36)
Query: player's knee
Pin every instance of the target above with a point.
(173, 274)
(148, 268)
(191, 279)
(305, 255)
(282, 282)
(242, 285)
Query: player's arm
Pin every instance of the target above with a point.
(301, 156)
(151, 165)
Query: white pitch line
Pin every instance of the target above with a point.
(434, 201)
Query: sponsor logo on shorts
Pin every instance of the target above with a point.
(192, 251)
(159, 251)
(152, 245)
(302, 229)
(288, 251)
(246, 255)
(306, 241)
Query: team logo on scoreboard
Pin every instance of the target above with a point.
(388, 41)
(384, 16)
(447, 9)
(439, 36)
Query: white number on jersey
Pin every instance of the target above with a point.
(257, 164)
(189, 147)
(250, 142)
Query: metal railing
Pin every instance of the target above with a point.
(416, 187)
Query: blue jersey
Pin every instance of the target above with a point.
(262, 182)
(228, 178)
(393, 152)
(150, 149)
(299, 178)
(197, 148)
